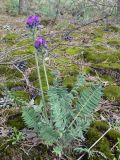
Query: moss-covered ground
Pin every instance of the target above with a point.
(94, 51)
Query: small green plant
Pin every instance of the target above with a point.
(66, 115)
(17, 136)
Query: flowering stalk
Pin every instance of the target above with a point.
(40, 44)
(46, 77)
(33, 23)
(39, 76)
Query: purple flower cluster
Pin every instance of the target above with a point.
(33, 21)
(40, 42)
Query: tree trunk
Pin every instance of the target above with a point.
(118, 7)
(118, 11)
(23, 7)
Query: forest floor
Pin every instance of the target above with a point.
(93, 50)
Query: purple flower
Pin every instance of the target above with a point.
(33, 21)
(40, 42)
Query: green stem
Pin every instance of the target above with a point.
(46, 77)
(39, 76)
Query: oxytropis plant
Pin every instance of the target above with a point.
(66, 115)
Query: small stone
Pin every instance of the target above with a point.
(35, 140)
(31, 135)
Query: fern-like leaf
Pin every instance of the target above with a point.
(79, 83)
(88, 102)
(30, 117)
(60, 102)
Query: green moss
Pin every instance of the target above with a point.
(100, 55)
(87, 70)
(16, 121)
(99, 39)
(112, 92)
(25, 42)
(34, 78)
(69, 81)
(28, 50)
(100, 48)
(99, 32)
(10, 73)
(12, 84)
(115, 42)
(113, 66)
(73, 50)
(101, 125)
(62, 25)
(31, 62)
(62, 61)
(102, 146)
(22, 95)
(10, 38)
(107, 78)
(113, 28)
(113, 135)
